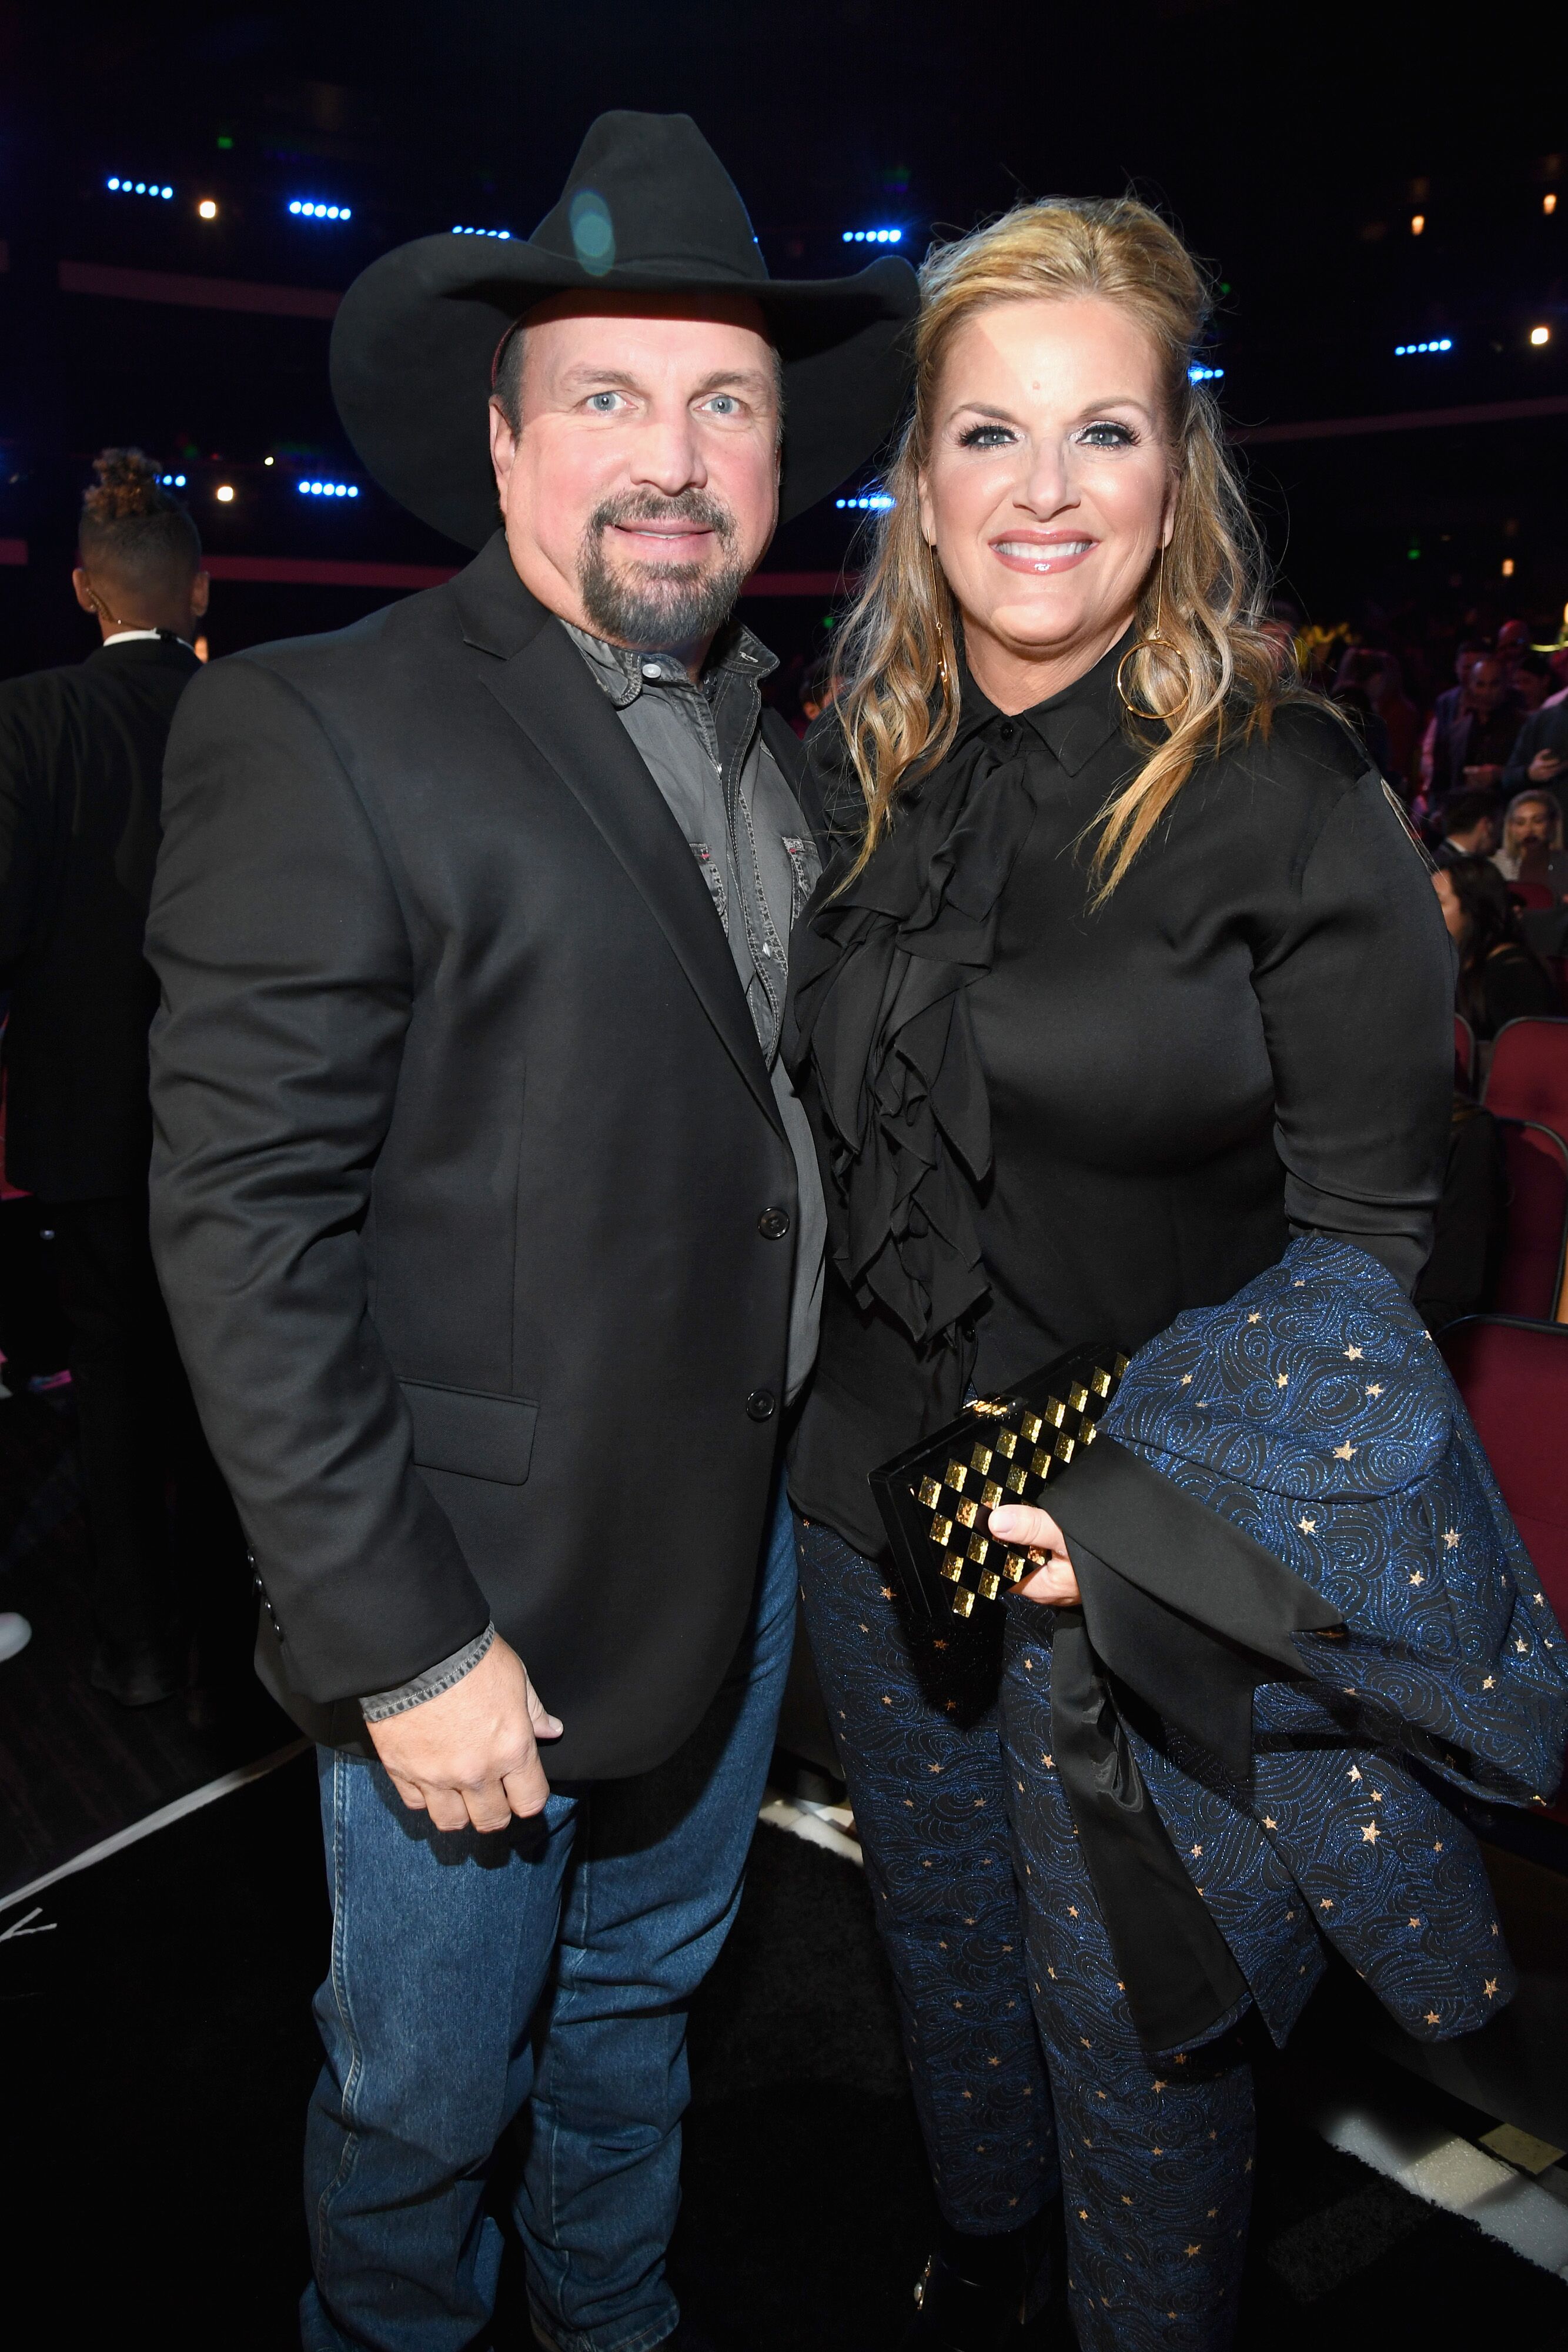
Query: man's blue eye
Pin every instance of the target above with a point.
(602, 401)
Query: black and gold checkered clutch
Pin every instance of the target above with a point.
(936, 1498)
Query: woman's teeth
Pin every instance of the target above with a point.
(1029, 551)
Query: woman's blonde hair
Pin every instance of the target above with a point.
(898, 705)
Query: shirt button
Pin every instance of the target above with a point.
(773, 1225)
(761, 1404)
(650, 669)
(1007, 730)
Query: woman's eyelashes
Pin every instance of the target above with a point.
(1103, 433)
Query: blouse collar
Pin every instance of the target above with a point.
(1072, 724)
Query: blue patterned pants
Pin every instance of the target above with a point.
(1010, 2007)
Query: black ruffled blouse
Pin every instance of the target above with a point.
(1042, 1125)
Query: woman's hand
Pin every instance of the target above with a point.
(1038, 1534)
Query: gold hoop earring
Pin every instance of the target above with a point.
(943, 676)
(1154, 638)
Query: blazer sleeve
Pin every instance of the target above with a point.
(286, 980)
(1356, 986)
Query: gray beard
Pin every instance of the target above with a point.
(652, 605)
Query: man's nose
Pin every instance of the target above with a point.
(667, 455)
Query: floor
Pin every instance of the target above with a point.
(163, 1927)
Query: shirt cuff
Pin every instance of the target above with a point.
(376, 1707)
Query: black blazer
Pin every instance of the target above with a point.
(81, 761)
(465, 1159)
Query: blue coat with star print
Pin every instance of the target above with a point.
(1314, 1411)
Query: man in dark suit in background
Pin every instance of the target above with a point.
(82, 757)
(488, 1220)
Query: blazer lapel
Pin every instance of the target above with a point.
(546, 688)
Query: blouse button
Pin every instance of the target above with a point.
(1007, 730)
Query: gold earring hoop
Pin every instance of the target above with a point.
(939, 587)
(1154, 638)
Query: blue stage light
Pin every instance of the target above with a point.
(328, 490)
(505, 232)
(1417, 351)
(307, 208)
(873, 236)
(121, 187)
(870, 502)
(173, 481)
(1199, 374)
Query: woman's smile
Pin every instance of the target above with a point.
(1042, 550)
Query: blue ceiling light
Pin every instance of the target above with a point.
(307, 208)
(873, 236)
(173, 481)
(481, 232)
(1199, 374)
(328, 490)
(869, 502)
(120, 187)
(1414, 350)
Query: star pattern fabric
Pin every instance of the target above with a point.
(1314, 1413)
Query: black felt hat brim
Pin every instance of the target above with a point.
(416, 333)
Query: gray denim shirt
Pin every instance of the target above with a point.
(703, 747)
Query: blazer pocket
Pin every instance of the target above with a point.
(476, 1435)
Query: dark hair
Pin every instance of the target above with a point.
(1493, 920)
(130, 526)
(1467, 809)
(1535, 664)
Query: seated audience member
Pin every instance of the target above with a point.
(1472, 743)
(1532, 680)
(1466, 827)
(1499, 978)
(1539, 754)
(1531, 849)
(1460, 1275)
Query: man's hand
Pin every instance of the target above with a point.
(470, 1757)
(1543, 767)
(1053, 1580)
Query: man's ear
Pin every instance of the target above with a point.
(502, 450)
(201, 592)
(83, 591)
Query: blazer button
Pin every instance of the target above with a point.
(762, 1404)
(773, 1225)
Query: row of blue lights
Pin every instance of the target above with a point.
(873, 236)
(870, 502)
(308, 209)
(1199, 374)
(139, 188)
(481, 232)
(173, 481)
(328, 490)
(1409, 350)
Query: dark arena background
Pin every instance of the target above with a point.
(185, 193)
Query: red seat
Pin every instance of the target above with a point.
(1530, 1279)
(1464, 1054)
(1513, 1377)
(1529, 1074)
(1535, 898)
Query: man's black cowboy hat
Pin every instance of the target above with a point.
(647, 208)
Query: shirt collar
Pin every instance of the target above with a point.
(623, 671)
(1072, 724)
(139, 636)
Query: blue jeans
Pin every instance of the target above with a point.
(534, 1979)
